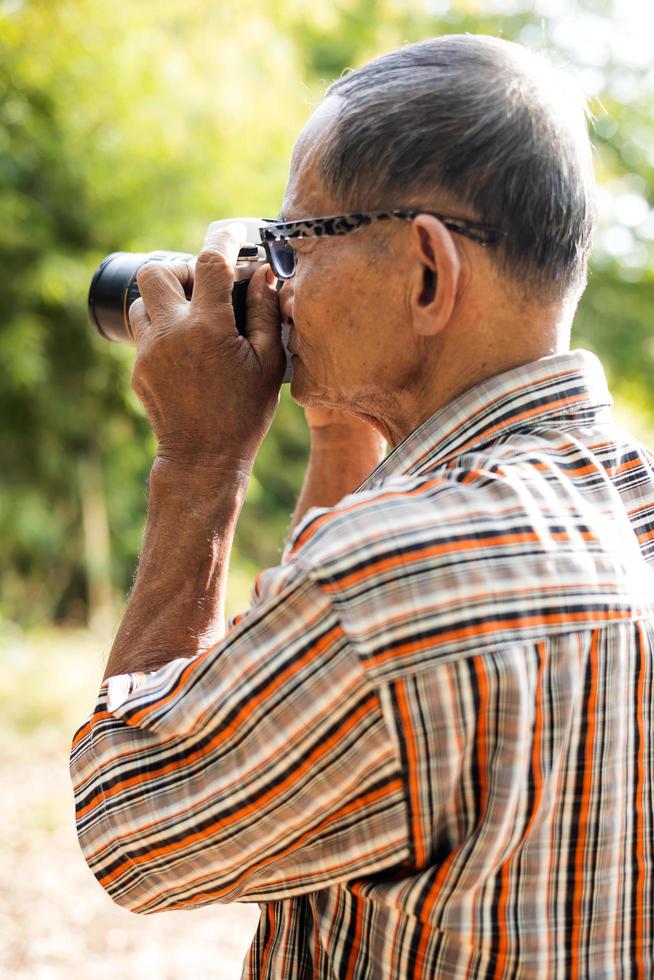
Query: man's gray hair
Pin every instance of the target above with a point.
(484, 128)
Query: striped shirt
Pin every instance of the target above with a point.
(427, 748)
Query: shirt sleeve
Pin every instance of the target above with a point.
(259, 770)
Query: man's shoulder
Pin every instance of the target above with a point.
(357, 532)
(403, 509)
(485, 550)
(511, 511)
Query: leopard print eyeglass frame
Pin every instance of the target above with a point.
(282, 256)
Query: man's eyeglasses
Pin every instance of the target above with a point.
(282, 256)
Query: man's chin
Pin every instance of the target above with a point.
(303, 390)
(300, 395)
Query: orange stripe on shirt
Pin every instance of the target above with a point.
(413, 774)
(584, 812)
(492, 626)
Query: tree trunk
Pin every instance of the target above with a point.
(97, 548)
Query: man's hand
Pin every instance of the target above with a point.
(210, 394)
(333, 421)
(344, 451)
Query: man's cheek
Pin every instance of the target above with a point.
(311, 313)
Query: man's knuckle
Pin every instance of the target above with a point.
(212, 258)
(147, 274)
(137, 384)
(144, 353)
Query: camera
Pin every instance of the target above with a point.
(114, 287)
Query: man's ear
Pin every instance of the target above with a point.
(436, 273)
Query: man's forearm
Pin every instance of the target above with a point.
(176, 608)
(341, 458)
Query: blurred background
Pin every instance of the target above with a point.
(130, 126)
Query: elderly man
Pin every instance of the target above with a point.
(426, 748)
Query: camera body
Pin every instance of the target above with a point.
(114, 287)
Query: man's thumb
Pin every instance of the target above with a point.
(263, 320)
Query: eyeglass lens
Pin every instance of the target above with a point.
(282, 258)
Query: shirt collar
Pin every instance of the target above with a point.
(561, 390)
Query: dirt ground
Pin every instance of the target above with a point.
(56, 923)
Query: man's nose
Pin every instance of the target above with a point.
(286, 300)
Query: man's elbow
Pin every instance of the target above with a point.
(148, 843)
(115, 824)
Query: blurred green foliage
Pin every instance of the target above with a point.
(132, 125)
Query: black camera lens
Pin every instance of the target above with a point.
(114, 288)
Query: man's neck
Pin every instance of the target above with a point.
(474, 357)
